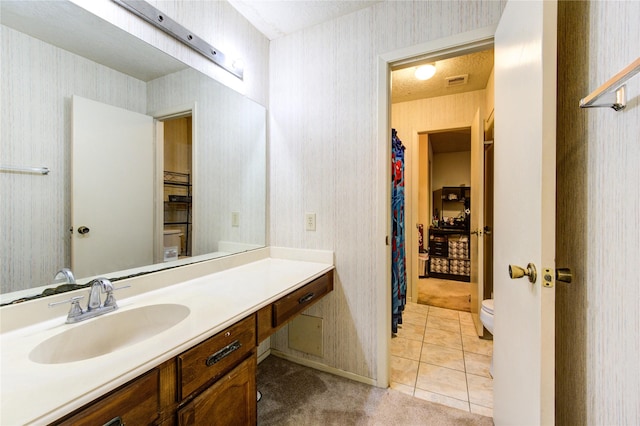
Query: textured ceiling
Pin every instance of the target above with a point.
(277, 18)
(405, 87)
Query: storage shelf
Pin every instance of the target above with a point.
(179, 209)
(449, 255)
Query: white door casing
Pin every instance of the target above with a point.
(525, 105)
(476, 251)
(112, 188)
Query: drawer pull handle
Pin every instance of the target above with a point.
(306, 298)
(223, 353)
(116, 421)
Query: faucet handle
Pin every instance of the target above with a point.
(75, 309)
(110, 299)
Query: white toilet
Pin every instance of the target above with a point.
(172, 242)
(486, 317)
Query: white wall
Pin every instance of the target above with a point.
(451, 169)
(324, 158)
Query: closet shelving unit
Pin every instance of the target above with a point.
(177, 205)
(449, 255)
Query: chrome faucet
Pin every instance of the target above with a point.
(95, 306)
(64, 275)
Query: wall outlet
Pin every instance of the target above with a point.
(235, 219)
(310, 221)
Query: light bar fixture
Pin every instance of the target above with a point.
(160, 20)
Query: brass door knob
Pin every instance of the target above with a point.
(518, 272)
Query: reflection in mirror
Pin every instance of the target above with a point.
(42, 71)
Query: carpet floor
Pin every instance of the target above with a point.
(444, 294)
(296, 395)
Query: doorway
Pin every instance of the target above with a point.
(443, 212)
(430, 355)
(175, 160)
(435, 119)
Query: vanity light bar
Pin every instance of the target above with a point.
(160, 20)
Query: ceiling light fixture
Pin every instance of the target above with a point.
(425, 72)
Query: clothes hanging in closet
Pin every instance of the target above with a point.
(398, 263)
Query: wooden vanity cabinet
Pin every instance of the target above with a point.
(273, 316)
(135, 403)
(212, 383)
(215, 356)
(229, 401)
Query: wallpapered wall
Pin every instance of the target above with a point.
(36, 209)
(598, 219)
(324, 154)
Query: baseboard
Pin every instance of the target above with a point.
(322, 367)
(264, 355)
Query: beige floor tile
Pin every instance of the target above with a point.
(477, 345)
(443, 313)
(483, 411)
(465, 317)
(476, 364)
(468, 329)
(442, 323)
(442, 356)
(406, 348)
(446, 338)
(411, 331)
(403, 371)
(411, 317)
(443, 381)
(416, 308)
(480, 390)
(442, 399)
(408, 390)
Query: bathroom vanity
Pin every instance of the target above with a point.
(201, 368)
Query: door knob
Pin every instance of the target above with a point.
(518, 272)
(83, 230)
(564, 275)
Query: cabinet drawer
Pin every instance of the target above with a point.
(438, 244)
(290, 305)
(229, 401)
(215, 356)
(438, 252)
(136, 403)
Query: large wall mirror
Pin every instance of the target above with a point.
(196, 191)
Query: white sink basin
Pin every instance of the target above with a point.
(108, 333)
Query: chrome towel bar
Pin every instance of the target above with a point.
(41, 170)
(613, 90)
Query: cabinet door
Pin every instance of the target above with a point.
(229, 401)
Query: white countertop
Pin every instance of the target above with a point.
(41, 393)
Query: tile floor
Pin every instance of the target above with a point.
(437, 356)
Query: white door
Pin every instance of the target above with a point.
(112, 188)
(477, 219)
(525, 111)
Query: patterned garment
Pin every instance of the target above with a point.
(398, 264)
